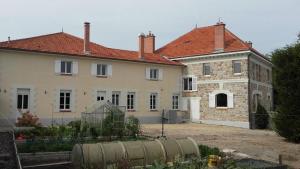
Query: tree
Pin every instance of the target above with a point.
(286, 79)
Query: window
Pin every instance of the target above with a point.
(153, 101)
(175, 102)
(221, 100)
(23, 99)
(154, 74)
(101, 95)
(130, 100)
(236, 67)
(257, 72)
(268, 75)
(115, 98)
(206, 69)
(101, 70)
(66, 67)
(190, 83)
(65, 100)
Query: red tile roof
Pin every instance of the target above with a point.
(63, 43)
(201, 41)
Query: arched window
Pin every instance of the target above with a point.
(221, 100)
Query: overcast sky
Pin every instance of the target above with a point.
(269, 24)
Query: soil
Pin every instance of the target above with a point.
(7, 151)
(259, 144)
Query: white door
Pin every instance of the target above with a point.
(195, 109)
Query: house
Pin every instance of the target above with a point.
(208, 73)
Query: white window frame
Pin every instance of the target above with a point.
(233, 67)
(175, 102)
(23, 92)
(101, 93)
(99, 70)
(204, 70)
(154, 73)
(153, 102)
(64, 72)
(64, 92)
(212, 99)
(130, 102)
(115, 98)
(192, 83)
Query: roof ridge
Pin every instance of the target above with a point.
(38, 36)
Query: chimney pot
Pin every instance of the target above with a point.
(86, 41)
(249, 43)
(219, 37)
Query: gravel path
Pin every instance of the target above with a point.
(7, 151)
(259, 144)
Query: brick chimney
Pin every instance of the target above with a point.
(141, 45)
(149, 43)
(219, 37)
(86, 41)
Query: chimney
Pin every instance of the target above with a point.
(86, 41)
(149, 43)
(249, 43)
(219, 37)
(141, 45)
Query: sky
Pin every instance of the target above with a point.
(269, 24)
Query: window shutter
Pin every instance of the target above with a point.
(75, 67)
(157, 101)
(94, 69)
(212, 100)
(148, 73)
(109, 70)
(56, 100)
(160, 74)
(184, 104)
(123, 98)
(194, 83)
(230, 100)
(136, 101)
(57, 65)
(73, 100)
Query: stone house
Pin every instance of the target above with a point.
(208, 73)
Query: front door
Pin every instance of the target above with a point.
(195, 109)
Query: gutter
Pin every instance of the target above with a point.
(91, 56)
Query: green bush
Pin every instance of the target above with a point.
(261, 117)
(133, 126)
(286, 80)
(205, 151)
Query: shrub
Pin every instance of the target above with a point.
(28, 120)
(261, 117)
(205, 151)
(133, 126)
(286, 78)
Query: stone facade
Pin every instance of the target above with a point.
(241, 86)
